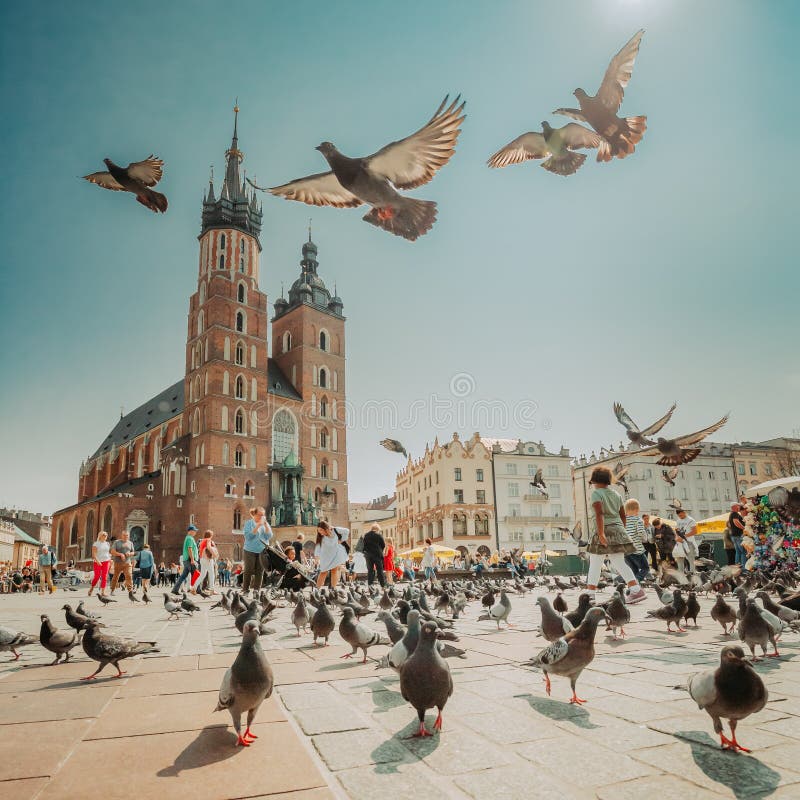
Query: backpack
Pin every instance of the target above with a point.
(360, 545)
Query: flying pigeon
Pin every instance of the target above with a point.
(136, 178)
(11, 640)
(538, 480)
(394, 446)
(619, 473)
(669, 475)
(679, 450)
(246, 684)
(108, 649)
(375, 179)
(600, 111)
(557, 143)
(632, 429)
(733, 691)
(56, 641)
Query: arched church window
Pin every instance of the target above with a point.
(323, 377)
(240, 388)
(240, 322)
(221, 264)
(284, 435)
(240, 291)
(237, 519)
(238, 457)
(239, 421)
(222, 241)
(240, 353)
(323, 340)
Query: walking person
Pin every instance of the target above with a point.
(736, 528)
(146, 565)
(101, 562)
(634, 527)
(331, 553)
(610, 539)
(122, 555)
(388, 560)
(208, 561)
(428, 563)
(47, 561)
(686, 541)
(257, 534)
(189, 558)
(374, 545)
(649, 542)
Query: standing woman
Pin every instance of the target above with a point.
(208, 561)
(331, 553)
(146, 565)
(388, 560)
(428, 563)
(257, 534)
(101, 561)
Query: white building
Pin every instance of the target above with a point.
(527, 516)
(706, 486)
(382, 510)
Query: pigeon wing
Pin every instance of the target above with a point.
(321, 189)
(413, 161)
(624, 419)
(577, 137)
(226, 694)
(148, 172)
(618, 74)
(659, 423)
(702, 689)
(554, 653)
(577, 531)
(620, 471)
(104, 179)
(698, 436)
(575, 113)
(523, 148)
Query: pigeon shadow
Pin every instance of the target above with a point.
(385, 699)
(212, 745)
(558, 711)
(744, 775)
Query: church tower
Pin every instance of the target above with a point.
(308, 344)
(226, 359)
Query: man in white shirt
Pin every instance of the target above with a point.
(685, 541)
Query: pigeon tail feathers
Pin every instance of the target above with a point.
(407, 217)
(565, 164)
(155, 201)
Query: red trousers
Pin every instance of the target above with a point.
(100, 573)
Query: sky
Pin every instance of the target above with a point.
(533, 304)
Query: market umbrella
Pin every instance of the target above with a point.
(713, 524)
(438, 549)
(764, 488)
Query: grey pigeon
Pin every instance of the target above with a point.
(75, 620)
(672, 612)
(105, 600)
(56, 641)
(600, 111)
(553, 625)
(11, 640)
(732, 691)
(692, 608)
(755, 630)
(393, 446)
(425, 679)
(133, 598)
(375, 179)
(618, 614)
(174, 610)
(783, 612)
(556, 145)
(358, 636)
(499, 611)
(679, 450)
(251, 611)
(724, 614)
(82, 610)
(246, 684)
(145, 598)
(189, 605)
(300, 616)
(669, 475)
(322, 623)
(403, 649)
(641, 437)
(108, 649)
(394, 630)
(136, 178)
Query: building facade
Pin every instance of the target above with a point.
(757, 462)
(529, 517)
(242, 427)
(447, 495)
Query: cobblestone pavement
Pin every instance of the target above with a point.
(337, 728)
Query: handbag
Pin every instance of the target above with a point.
(360, 545)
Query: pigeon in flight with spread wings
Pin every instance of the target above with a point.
(619, 473)
(375, 179)
(669, 475)
(557, 143)
(637, 436)
(136, 178)
(679, 450)
(600, 111)
(393, 446)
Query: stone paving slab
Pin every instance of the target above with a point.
(23, 789)
(54, 742)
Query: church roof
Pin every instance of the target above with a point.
(279, 384)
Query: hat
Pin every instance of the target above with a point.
(191, 528)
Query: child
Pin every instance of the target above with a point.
(610, 540)
(634, 527)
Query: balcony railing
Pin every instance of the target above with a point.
(535, 498)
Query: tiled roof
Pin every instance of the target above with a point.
(278, 383)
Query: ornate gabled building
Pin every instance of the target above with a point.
(243, 427)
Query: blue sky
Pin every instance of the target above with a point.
(671, 275)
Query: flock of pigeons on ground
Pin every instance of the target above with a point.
(374, 180)
(421, 621)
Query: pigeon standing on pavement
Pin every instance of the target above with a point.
(300, 616)
(11, 640)
(600, 111)
(74, 619)
(375, 179)
(499, 611)
(553, 626)
(724, 614)
(358, 636)
(671, 612)
(618, 614)
(105, 600)
(692, 608)
(732, 691)
(133, 598)
(246, 684)
(136, 178)
(755, 630)
(636, 436)
(56, 641)
(557, 143)
(425, 679)
(174, 610)
(108, 649)
(322, 623)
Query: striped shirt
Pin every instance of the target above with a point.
(634, 527)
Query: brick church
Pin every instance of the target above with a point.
(242, 427)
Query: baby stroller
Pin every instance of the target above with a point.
(274, 560)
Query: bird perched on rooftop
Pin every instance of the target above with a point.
(669, 475)
(636, 436)
(679, 450)
(11, 640)
(499, 611)
(557, 143)
(358, 636)
(724, 614)
(732, 691)
(136, 178)
(600, 111)
(56, 641)
(108, 649)
(425, 679)
(393, 446)
(571, 654)
(375, 179)
(246, 684)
